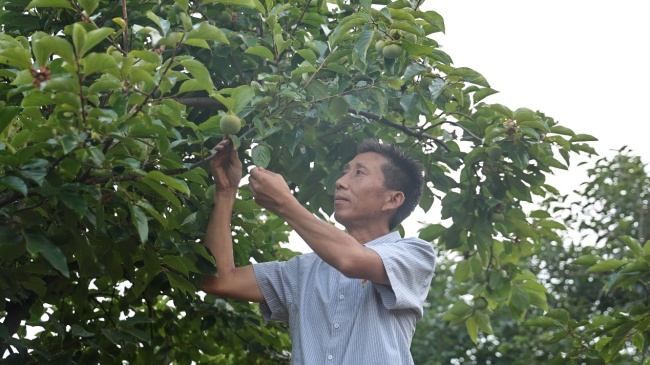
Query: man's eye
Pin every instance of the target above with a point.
(359, 172)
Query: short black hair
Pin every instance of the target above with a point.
(405, 172)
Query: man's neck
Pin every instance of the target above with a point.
(365, 235)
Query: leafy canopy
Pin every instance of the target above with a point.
(109, 110)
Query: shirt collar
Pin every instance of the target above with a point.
(390, 237)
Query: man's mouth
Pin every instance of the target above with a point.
(339, 198)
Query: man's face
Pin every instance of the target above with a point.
(360, 193)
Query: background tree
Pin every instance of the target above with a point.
(596, 279)
(109, 111)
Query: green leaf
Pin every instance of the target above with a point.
(633, 245)
(180, 283)
(59, 46)
(362, 44)
(407, 26)
(519, 298)
(341, 31)
(160, 22)
(49, 4)
(207, 31)
(16, 56)
(246, 3)
(417, 50)
(308, 55)
(469, 75)
(94, 37)
(175, 263)
(606, 265)
(261, 155)
(98, 62)
(562, 130)
(483, 322)
(38, 244)
(543, 322)
(200, 73)
(89, 5)
(586, 260)
(7, 115)
(14, 183)
(35, 170)
(68, 84)
(472, 329)
(35, 284)
(431, 232)
(242, 96)
(78, 38)
(583, 138)
(338, 107)
(261, 51)
(139, 219)
(176, 184)
(74, 200)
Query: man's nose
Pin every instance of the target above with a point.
(340, 183)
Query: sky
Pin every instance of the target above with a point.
(583, 63)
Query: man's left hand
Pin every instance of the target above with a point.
(269, 189)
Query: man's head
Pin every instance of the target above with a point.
(381, 178)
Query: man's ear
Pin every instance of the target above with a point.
(395, 200)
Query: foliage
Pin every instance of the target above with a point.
(615, 326)
(596, 285)
(109, 111)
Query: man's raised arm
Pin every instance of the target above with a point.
(230, 281)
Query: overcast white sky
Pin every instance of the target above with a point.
(584, 63)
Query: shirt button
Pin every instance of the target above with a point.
(336, 325)
(341, 296)
(329, 357)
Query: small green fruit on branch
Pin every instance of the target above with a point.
(392, 51)
(230, 124)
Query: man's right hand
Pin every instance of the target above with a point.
(226, 167)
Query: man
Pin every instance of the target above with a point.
(356, 299)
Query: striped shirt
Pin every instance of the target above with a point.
(342, 321)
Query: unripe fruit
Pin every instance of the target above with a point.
(480, 303)
(224, 18)
(426, 81)
(494, 152)
(379, 46)
(411, 37)
(178, 9)
(497, 217)
(392, 51)
(230, 124)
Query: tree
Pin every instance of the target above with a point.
(109, 111)
(596, 281)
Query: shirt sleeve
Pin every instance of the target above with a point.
(410, 264)
(278, 282)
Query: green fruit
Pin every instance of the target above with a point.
(480, 303)
(411, 37)
(497, 217)
(230, 124)
(379, 46)
(426, 81)
(178, 9)
(156, 9)
(494, 152)
(392, 51)
(224, 18)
